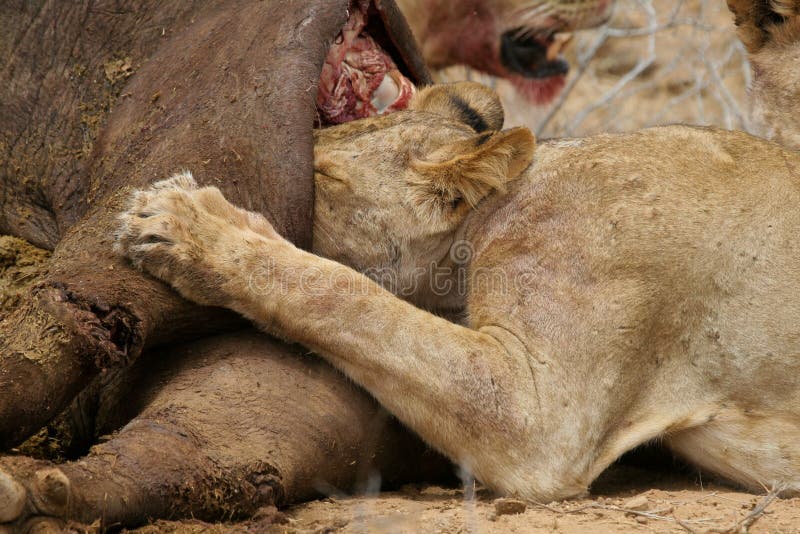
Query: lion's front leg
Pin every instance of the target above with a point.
(464, 391)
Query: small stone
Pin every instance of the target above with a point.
(638, 504)
(509, 506)
(641, 520)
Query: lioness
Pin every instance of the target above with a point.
(617, 289)
(513, 39)
(770, 30)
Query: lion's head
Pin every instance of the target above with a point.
(392, 191)
(520, 40)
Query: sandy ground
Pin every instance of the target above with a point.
(626, 499)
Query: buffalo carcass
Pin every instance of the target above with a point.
(101, 98)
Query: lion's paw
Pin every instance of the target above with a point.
(185, 235)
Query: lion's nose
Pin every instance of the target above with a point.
(527, 55)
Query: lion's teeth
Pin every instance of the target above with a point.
(560, 40)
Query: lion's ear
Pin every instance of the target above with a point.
(474, 104)
(457, 176)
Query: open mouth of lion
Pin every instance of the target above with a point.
(535, 63)
(360, 77)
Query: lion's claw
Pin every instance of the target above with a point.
(181, 234)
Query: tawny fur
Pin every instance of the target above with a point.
(624, 288)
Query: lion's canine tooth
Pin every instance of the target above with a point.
(560, 40)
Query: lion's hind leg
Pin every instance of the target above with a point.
(758, 451)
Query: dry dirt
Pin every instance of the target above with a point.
(626, 499)
(20, 265)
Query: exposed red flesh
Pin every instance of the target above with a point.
(354, 70)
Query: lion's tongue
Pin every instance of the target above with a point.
(359, 79)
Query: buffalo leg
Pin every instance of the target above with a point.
(226, 425)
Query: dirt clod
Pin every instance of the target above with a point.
(509, 506)
(118, 69)
(270, 515)
(640, 503)
(21, 264)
